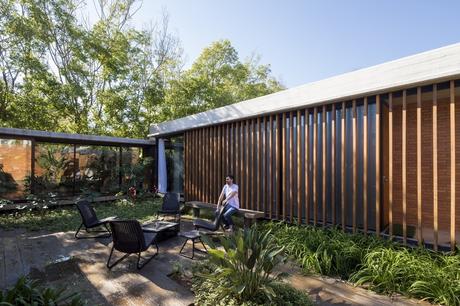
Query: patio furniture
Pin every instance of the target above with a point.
(250, 216)
(129, 238)
(170, 206)
(163, 229)
(194, 236)
(210, 226)
(89, 220)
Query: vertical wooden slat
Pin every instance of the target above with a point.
(404, 170)
(186, 166)
(419, 165)
(355, 153)
(299, 193)
(241, 145)
(237, 154)
(207, 170)
(265, 153)
(324, 153)
(259, 162)
(211, 166)
(291, 166)
(195, 163)
(435, 166)
(283, 147)
(247, 178)
(307, 166)
(315, 167)
(220, 178)
(377, 164)
(254, 180)
(343, 161)
(333, 164)
(200, 161)
(270, 164)
(365, 165)
(390, 164)
(277, 166)
(452, 165)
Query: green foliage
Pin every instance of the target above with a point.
(26, 292)
(419, 273)
(208, 294)
(106, 77)
(245, 265)
(383, 266)
(217, 78)
(67, 218)
(329, 252)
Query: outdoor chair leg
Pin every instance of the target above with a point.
(106, 231)
(193, 248)
(78, 230)
(110, 266)
(146, 261)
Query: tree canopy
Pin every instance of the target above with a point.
(60, 73)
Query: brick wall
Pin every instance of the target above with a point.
(427, 164)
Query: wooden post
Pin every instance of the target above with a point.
(452, 165)
(299, 193)
(324, 170)
(283, 146)
(390, 164)
(291, 166)
(355, 153)
(435, 166)
(365, 165)
(333, 164)
(307, 166)
(419, 166)
(343, 156)
(377, 164)
(404, 170)
(315, 166)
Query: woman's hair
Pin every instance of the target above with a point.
(230, 176)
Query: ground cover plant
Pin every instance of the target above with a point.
(28, 292)
(378, 264)
(67, 218)
(241, 272)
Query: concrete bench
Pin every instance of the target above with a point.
(250, 216)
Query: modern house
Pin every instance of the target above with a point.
(374, 150)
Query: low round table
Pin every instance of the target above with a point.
(194, 236)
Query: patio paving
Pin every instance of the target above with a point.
(44, 256)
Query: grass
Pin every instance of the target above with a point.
(381, 265)
(67, 218)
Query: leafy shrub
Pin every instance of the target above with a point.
(420, 273)
(245, 265)
(383, 266)
(207, 294)
(27, 292)
(325, 251)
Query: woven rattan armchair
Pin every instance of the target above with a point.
(129, 238)
(89, 220)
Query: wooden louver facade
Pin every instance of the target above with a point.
(385, 164)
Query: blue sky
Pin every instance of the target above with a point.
(305, 41)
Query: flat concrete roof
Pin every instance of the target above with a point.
(420, 69)
(73, 138)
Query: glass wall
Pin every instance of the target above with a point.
(15, 168)
(98, 169)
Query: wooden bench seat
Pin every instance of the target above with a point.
(249, 216)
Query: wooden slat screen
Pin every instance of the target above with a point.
(347, 164)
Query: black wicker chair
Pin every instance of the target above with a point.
(170, 206)
(210, 226)
(129, 238)
(90, 220)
